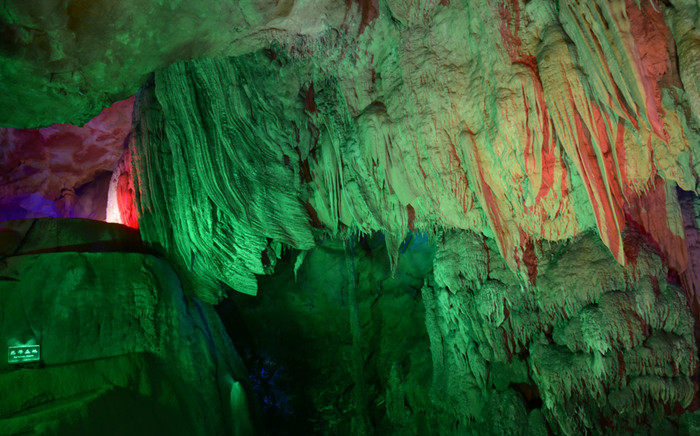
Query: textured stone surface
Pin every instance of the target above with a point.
(565, 118)
(605, 349)
(532, 122)
(548, 149)
(466, 347)
(62, 170)
(68, 59)
(121, 350)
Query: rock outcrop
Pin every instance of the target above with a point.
(122, 350)
(62, 170)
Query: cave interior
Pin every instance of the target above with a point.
(358, 217)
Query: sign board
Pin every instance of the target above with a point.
(24, 353)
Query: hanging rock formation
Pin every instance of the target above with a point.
(549, 151)
(569, 118)
(602, 348)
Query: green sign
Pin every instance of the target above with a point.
(24, 353)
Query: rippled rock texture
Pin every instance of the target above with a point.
(525, 123)
(549, 150)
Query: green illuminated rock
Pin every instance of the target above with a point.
(476, 350)
(69, 59)
(122, 350)
(531, 134)
(549, 151)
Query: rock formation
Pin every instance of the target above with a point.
(540, 134)
(518, 179)
(62, 170)
(122, 352)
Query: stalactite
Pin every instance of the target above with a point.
(614, 350)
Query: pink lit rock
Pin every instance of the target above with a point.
(60, 170)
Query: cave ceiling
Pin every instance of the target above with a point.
(526, 122)
(281, 122)
(547, 153)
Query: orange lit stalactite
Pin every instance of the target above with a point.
(125, 193)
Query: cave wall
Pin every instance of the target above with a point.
(62, 170)
(546, 151)
(452, 342)
(122, 350)
(568, 117)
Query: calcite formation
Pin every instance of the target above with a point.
(62, 170)
(569, 117)
(455, 343)
(602, 347)
(546, 153)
